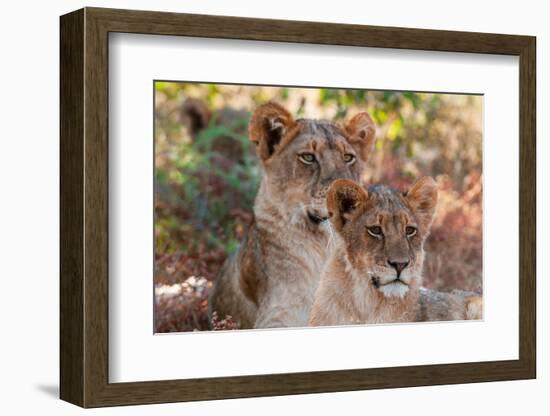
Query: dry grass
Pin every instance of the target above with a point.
(454, 250)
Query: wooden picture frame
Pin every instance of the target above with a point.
(84, 207)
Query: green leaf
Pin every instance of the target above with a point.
(395, 129)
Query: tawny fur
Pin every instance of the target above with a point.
(357, 285)
(271, 280)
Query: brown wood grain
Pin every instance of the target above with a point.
(84, 206)
(527, 207)
(71, 213)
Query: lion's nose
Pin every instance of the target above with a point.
(399, 266)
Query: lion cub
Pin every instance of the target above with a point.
(374, 273)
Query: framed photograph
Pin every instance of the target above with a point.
(255, 207)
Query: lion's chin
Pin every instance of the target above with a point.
(395, 289)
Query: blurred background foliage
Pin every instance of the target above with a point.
(206, 177)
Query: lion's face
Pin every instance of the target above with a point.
(384, 231)
(301, 158)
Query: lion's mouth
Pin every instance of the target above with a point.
(316, 218)
(376, 282)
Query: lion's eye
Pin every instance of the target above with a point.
(307, 158)
(375, 231)
(410, 231)
(349, 158)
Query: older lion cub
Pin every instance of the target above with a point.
(374, 274)
(271, 279)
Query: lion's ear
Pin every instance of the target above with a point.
(361, 131)
(268, 125)
(422, 198)
(195, 115)
(344, 199)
